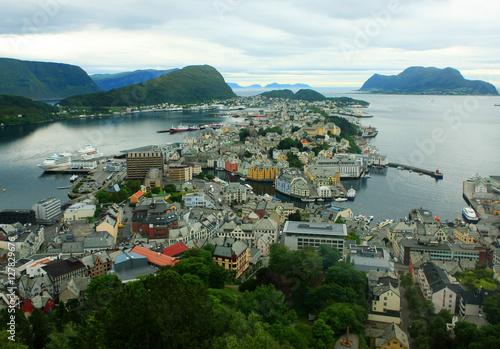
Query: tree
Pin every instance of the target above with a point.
(201, 175)
(210, 176)
(268, 303)
(287, 143)
(134, 186)
(156, 190)
(340, 315)
(295, 129)
(406, 280)
(491, 306)
(330, 255)
(244, 133)
(321, 331)
(170, 188)
(465, 334)
(101, 291)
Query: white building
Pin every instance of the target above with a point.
(195, 200)
(48, 210)
(27, 240)
(298, 235)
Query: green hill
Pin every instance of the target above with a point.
(420, 80)
(314, 96)
(41, 80)
(22, 110)
(192, 84)
(110, 81)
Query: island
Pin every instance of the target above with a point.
(427, 81)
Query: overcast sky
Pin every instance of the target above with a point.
(318, 42)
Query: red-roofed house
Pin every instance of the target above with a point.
(135, 198)
(175, 250)
(156, 258)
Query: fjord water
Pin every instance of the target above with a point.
(457, 134)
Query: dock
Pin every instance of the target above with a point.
(434, 174)
(67, 171)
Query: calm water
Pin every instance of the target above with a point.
(458, 135)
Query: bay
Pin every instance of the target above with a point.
(457, 134)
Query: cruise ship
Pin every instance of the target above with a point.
(65, 159)
(470, 215)
(56, 161)
(351, 194)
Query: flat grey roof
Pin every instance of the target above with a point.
(292, 227)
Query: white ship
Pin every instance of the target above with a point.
(470, 215)
(65, 159)
(56, 161)
(89, 153)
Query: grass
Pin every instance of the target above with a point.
(475, 279)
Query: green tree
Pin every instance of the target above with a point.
(406, 280)
(330, 255)
(170, 188)
(201, 175)
(134, 186)
(295, 129)
(9, 344)
(321, 331)
(156, 190)
(101, 291)
(244, 134)
(466, 333)
(210, 176)
(287, 143)
(340, 315)
(491, 306)
(268, 303)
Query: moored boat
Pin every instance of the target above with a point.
(351, 194)
(470, 215)
(180, 128)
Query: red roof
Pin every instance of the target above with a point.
(175, 249)
(138, 194)
(155, 258)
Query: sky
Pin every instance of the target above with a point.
(323, 43)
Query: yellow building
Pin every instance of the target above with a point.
(392, 338)
(321, 129)
(464, 235)
(263, 172)
(233, 257)
(180, 173)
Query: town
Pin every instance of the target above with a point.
(143, 210)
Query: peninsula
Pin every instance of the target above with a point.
(427, 81)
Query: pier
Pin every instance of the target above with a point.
(435, 174)
(68, 171)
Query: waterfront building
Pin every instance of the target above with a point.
(48, 211)
(141, 160)
(232, 164)
(298, 235)
(11, 216)
(465, 236)
(290, 181)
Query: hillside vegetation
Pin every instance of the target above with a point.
(192, 84)
(21, 110)
(41, 80)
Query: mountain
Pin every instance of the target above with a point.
(21, 110)
(420, 80)
(278, 94)
(235, 85)
(110, 81)
(276, 85)
(314, 96)
(192, 84)
(41, 80)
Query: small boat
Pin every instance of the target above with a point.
(193, 128)
(340, 199)
(368, 175)
(420, 174)
(62, 187)
(351, 194)
(320, 199)
(307, 200)
(73, 178)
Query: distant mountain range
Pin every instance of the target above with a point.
(420, 80)
(43, 81)
(192, 84)
(273, 85)
(110, 81)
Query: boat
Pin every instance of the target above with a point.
(420, 174)
(340, 199)
(368, 219)
(308, 200)
(193, 128)
(56, 161)
(351, 194)
(368, 175)
(400, 168)
(180, 128)
(249, 186)
(321, 199)
(73, 178)
(89, 153)
(62, 187)
(470, 215)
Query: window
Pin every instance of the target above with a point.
(385, 298)
(385, 304)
